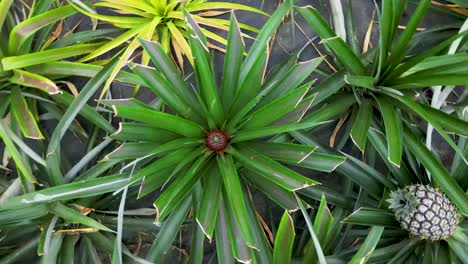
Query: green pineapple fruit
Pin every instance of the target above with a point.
(424, 211)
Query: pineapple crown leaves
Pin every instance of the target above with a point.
(29, 59)
(161, 21)
(208, 145)
(403, 203)
(391, 71)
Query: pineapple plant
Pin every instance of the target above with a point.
(424, 211)
(205, 147)
(161, 21)
(59, 219)
(377, 95)
(33, 39)
(385, 82)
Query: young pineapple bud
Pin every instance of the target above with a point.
(216, 140)
(424, 211)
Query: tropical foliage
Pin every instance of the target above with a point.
(33, 39)
(161, 21)
(353, 156)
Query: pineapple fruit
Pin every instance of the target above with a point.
(425, 212)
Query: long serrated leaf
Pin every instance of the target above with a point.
(25, 118)
(447, 121)
(400, 48)
(393, 130)
(343, 52)
(17, 215)
(67, 68)
(168, 161)
(293, 78)
(125, 57)
(394, 252)
(404, 67)
(198, 236)
(204, 71)
(86, 188)
(368, 246)
(323, 221)
(169, 70)
(222, 5)
(438, 172)
(360, 81)
(160, 120)
(232, 63)
(261, 42)
(322, 227)
(131, 150)
(241, 252)
(21, 32)
(209, 203)
(32, 80)
(361, 124)
(181, 186)
(336, 106)
(386, 32)
(250, 134)
(4, 9)
(67, 254)
(165, 90)
(372, 217)
(263, 253)
(458, 247)
(299, 155)
(284, 240)
(402, 174)
(315, 241)
(143, 132)
(53, 150)
(75, 216)
(232, 183)
(114, 43)
(270, 169)
(410, 105)
(88, 112)
(169, 230)
(280, 196)
(352, 169)
(277, 109)
(31, 59)
(22, 165)
(253, 64)
(223, 233)
(55, 244)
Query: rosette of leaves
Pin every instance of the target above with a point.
(385, 83)
(72, 214)
(371, 232)
(161, 21)
(417, 202)
(30, 40)
(77, 220)
(208, 145)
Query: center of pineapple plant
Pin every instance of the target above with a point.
(217, 140)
